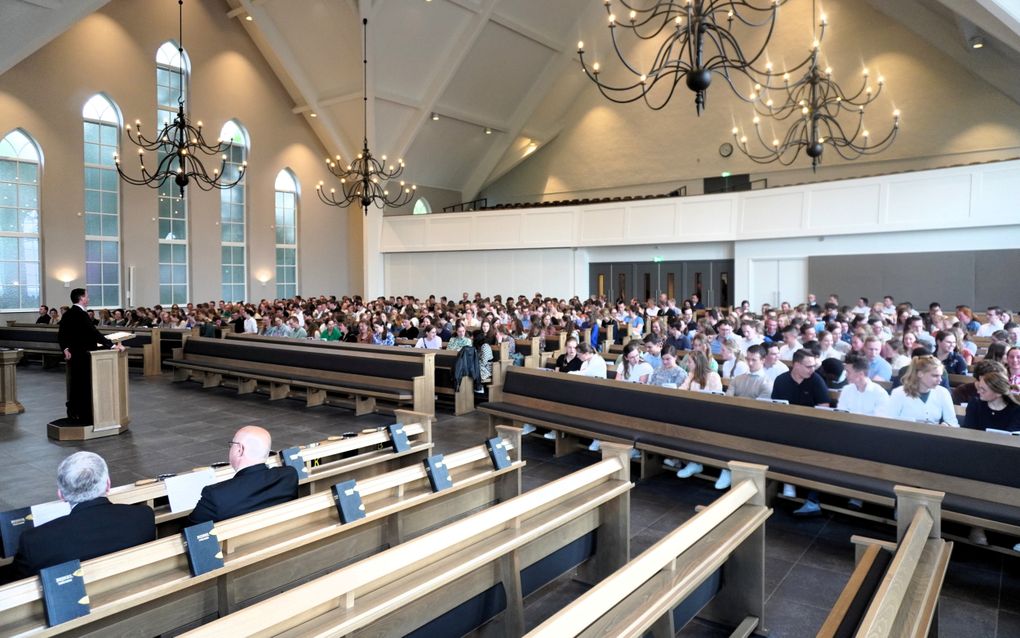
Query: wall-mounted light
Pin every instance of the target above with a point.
(249, 18)
(313, 114)
(263, 277)
(66, 275)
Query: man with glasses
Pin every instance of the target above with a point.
(253, 486)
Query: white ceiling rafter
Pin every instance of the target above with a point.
(45, 4)
(287, 63)
(446, 71)
(483, 173)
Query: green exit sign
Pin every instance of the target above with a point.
(657, 260)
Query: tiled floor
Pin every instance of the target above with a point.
(178, 426)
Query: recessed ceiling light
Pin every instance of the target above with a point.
(313, 115)
(488, 131)
(435, 116)
(977, 42)
(248, 18)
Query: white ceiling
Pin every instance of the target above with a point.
(509, 65)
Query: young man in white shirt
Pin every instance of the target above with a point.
(773, 367)
(861, 395)
(790, 343)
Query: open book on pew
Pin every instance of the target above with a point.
(117, 337)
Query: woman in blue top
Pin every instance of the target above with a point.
(945, 351)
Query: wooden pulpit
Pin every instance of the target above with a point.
(110, 415)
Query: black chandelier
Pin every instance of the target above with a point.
(364, 180)
(689, 26)
(179, 146)
(814, 104)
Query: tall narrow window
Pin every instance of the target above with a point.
(286, 235)
(20, 278)
(102, 202)
(171, 88)
(232, 216)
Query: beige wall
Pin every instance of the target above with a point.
(113, 51)
(949, 117)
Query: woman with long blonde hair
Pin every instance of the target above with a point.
(922, 397)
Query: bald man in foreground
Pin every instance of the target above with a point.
(253, 486)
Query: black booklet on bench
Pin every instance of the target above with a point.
(438, 473)
(292, 457)
(12, 524)
(348, 501)
(498, 453)
(398, 437)
(64, 594)
(204, 553)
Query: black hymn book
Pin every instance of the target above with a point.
(64, 594)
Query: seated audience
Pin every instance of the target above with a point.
(1013, 367)
(945, 351)
(733, 358)
(878, 368)
(94, 527)
(632, 369)
(568, 361)
(861, 395)
(996, 406)
(254, 484)
(700, 375)
(592, 363)
(429, 339)
(771, 364)
(922, 397)
(801, 385)
(459, 338)
(669, 374)
(753, 384)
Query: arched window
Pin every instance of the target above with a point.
(233, 215)
(286, 234)
(101, 120)
(20, 277)
(422, 207)
(171, 87)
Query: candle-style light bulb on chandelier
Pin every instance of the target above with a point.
(688, 28)
(180, 146)
(814, 105)
(365, 179)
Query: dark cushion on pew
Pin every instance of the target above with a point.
(977, 460)
(25, 334)
(305, 359)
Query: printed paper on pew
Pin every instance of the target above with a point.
(185, 490)
(46, 512)
(117, 337)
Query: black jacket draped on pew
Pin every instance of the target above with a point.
(467, 365)
(93, 528)
(251, 489)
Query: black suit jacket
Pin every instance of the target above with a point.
(78, 334)
(93, 528)
(252, 488)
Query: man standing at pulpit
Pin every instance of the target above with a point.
(77, 337)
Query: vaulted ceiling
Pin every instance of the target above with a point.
(508, 66)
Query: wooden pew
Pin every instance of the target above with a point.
(400, 590)
(894, 589)
(444, 360)
(362, 379)
(148, 590)
(719, 552)
(42, 339)
(326, 462)
(848, 455)
(530, 350)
